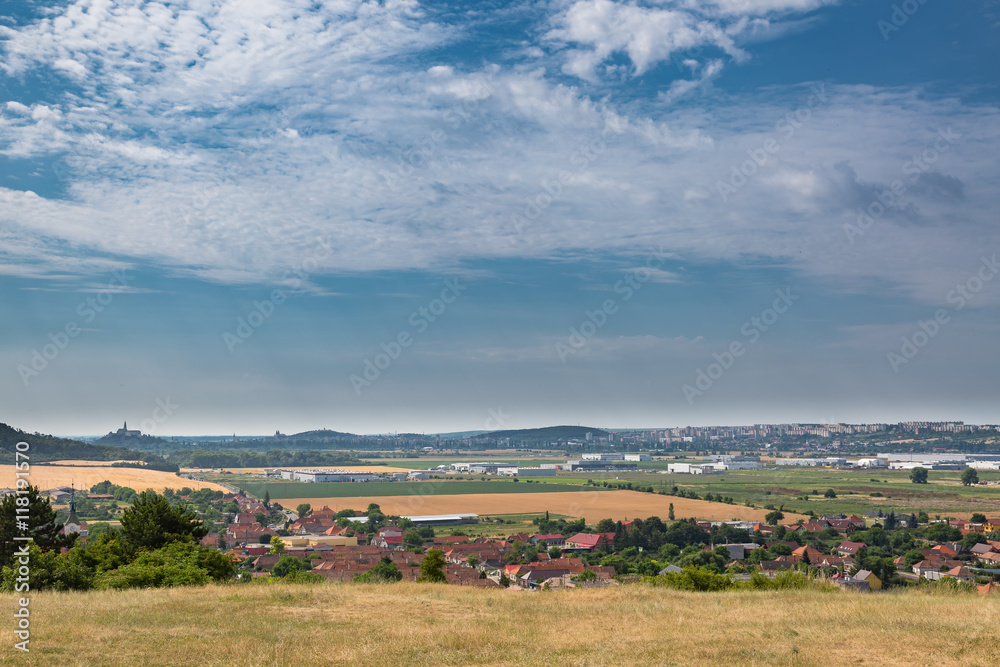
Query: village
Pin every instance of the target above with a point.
(339, 546)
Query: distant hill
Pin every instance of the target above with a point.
(547, 433)
(133, 440)
(51, 448)
(319, 435)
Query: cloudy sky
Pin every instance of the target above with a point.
(241, 216)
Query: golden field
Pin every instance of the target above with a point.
(47, 477)
(432, 624)
(81, 462)
(592, 505)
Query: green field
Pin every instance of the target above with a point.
(943, 494)
(280, 490)
(428, 463)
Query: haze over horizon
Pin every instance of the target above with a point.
(436, 217)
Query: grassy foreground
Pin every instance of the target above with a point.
(426, 624)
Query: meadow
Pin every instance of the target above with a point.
(248, 625)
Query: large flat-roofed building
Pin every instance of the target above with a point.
(603, 457)
(513, 471)
(328, 476)
(598, 465)
(443, 519)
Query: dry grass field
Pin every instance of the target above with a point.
(47, 477)
(431, 624)
(593, 506)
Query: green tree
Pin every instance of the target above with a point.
(970, 477)
(586, 575)
(39, 522)
(302, 509)
(287, 565)
(277, 545)
(670, 512)
(472, 560)
(385, 571)
(153, 522)
(555, 552)
(918, 475)
(830, 493)
(267, 498)
(978, 518)
(772, 518)
(432, 567)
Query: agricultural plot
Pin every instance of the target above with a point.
(285, 490)
(856, 490)
(591, 504)
(84, 477)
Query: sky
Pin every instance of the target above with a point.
(241, 217)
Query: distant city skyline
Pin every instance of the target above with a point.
(427, 217)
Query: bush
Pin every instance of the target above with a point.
(177, 564)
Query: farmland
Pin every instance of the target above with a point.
(591, 504)
(284, 490)
(47, 477)
(428, 624)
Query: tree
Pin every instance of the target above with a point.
(830, 493)
(472, 560)
(605, 526)
(222, 539)
(40, 524)
(555, 552)
(287, 565)
(277, 545)
(772, 518)
(267, 498)
(918, 475)
(978, 518)
(970, 477)
(261, 518)
(385, 571)
(153, 522)
(670, 512)
(373, 507)
(302, 509)
(586, 575)
(432, 567)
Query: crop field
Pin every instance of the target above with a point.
(591, 504)
(248, 625)
(79, 462)
(943, 494)
(283, 490)
(47, 477)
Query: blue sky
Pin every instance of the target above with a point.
(523, 172)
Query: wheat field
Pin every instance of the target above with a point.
(432, 624)
(594, 505)
(84, 477)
